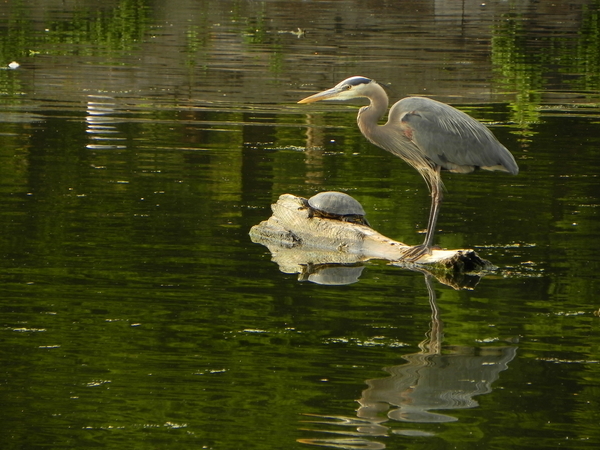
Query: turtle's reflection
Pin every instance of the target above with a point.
(416, 391)
(331, 274)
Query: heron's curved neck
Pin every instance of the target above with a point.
(368, 116)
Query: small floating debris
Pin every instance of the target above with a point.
(298, 33)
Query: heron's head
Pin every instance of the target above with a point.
(353, 87)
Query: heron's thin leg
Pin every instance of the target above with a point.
(435, 182)
(436, 200)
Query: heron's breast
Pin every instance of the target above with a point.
(406, 126)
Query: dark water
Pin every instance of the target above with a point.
(142, 140)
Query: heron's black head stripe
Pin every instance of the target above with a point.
(355, 81)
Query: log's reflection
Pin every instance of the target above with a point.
(425, 389)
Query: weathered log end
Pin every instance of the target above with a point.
(468, 261)
(463, 261)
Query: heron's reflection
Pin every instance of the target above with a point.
(419, 389)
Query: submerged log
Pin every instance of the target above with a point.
(323, 240)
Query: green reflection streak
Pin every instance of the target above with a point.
(519, 72)
(584, 60)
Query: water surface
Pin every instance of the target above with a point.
(142, 141)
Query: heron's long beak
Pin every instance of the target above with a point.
(329, 94)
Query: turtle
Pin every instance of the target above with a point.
(337, 206)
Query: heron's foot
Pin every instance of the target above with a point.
(416, 252)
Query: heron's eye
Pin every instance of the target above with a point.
(348, 87)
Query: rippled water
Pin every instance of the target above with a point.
(142, 141)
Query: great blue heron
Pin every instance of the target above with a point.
(428, 135)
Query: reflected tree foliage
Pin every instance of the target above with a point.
(108, 30)
(523, 58)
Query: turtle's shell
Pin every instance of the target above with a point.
(336, 203)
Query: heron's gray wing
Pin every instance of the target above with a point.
(449, 137)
